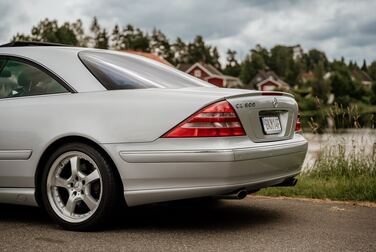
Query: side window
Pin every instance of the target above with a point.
(21, 79)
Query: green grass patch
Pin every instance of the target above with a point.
(337, 174)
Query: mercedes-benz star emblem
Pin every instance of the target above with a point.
(275, 102)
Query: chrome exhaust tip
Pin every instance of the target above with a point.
(240, 194)
(288, 182)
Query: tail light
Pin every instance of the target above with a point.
(216, 120)
(298, 127)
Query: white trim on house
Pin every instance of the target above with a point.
(279, 85)
(200, 66)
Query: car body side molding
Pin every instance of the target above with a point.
(15, 154)
(18, 196)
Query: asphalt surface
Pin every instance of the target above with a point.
(252, 224)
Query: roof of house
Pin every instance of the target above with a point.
(263, 75)
(211, 70)
(361, 75)
(149, 55)
(183, 67)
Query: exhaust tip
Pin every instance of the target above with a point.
(242, 194)
(288, 182)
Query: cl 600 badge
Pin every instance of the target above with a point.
(245, 105)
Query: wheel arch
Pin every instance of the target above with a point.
(56, 144)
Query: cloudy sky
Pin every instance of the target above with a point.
(338, 27)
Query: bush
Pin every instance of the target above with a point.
(339, 173)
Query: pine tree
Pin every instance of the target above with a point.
(364, 66)
(102, 40)
(50, 31)
(160, 45)
(95, 30)
(198, 51)
(78, 29)
(214, 59)
(180, 52)
(232, 66)
(116, 38)
(135, 39)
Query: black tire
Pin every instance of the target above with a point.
(111, 189)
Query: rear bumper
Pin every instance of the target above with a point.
(219, 155)
(161, 175)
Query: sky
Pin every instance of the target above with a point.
(337, 27)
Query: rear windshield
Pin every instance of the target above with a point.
(124, 71)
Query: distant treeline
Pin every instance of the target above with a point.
(343, 83)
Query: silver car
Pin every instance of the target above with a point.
(84, 130)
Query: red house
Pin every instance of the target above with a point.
(267, 80)
(210, 74)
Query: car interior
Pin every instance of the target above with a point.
(19, 79)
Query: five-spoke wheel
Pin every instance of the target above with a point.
(79, 186)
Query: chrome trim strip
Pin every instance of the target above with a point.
(18, 196)
(226, 155)
(177, 156)
(15, 154)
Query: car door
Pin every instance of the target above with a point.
(22, 84)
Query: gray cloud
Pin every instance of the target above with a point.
(340, 28)
(4, 14)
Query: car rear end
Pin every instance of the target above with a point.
(173, 136)
(239, 143)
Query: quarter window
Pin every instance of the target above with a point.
(18, 79)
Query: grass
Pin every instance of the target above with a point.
(340, 172)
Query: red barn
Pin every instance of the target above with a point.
(210, 74)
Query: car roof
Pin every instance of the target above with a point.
(63, 61)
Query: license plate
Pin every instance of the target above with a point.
(271, 125)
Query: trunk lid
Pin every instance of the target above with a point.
(266, 116)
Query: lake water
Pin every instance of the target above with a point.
(359, 140)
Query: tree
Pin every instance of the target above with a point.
(215, 58)
(320, 87)
(247, 70)
(116, 38)
(264, 53)
(364, 66)
(180, 52)
(50, 31)
(315, 57)
(95, 29)
(373, 95)
(232, 66)
(342, 85)
(198, 51)
(372, 70)
(101, 41)
(135, 39)
(251, 64)
(281, 60)
(79, 31)
(160, 45)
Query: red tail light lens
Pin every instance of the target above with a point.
(298, 127)
(216, 120)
